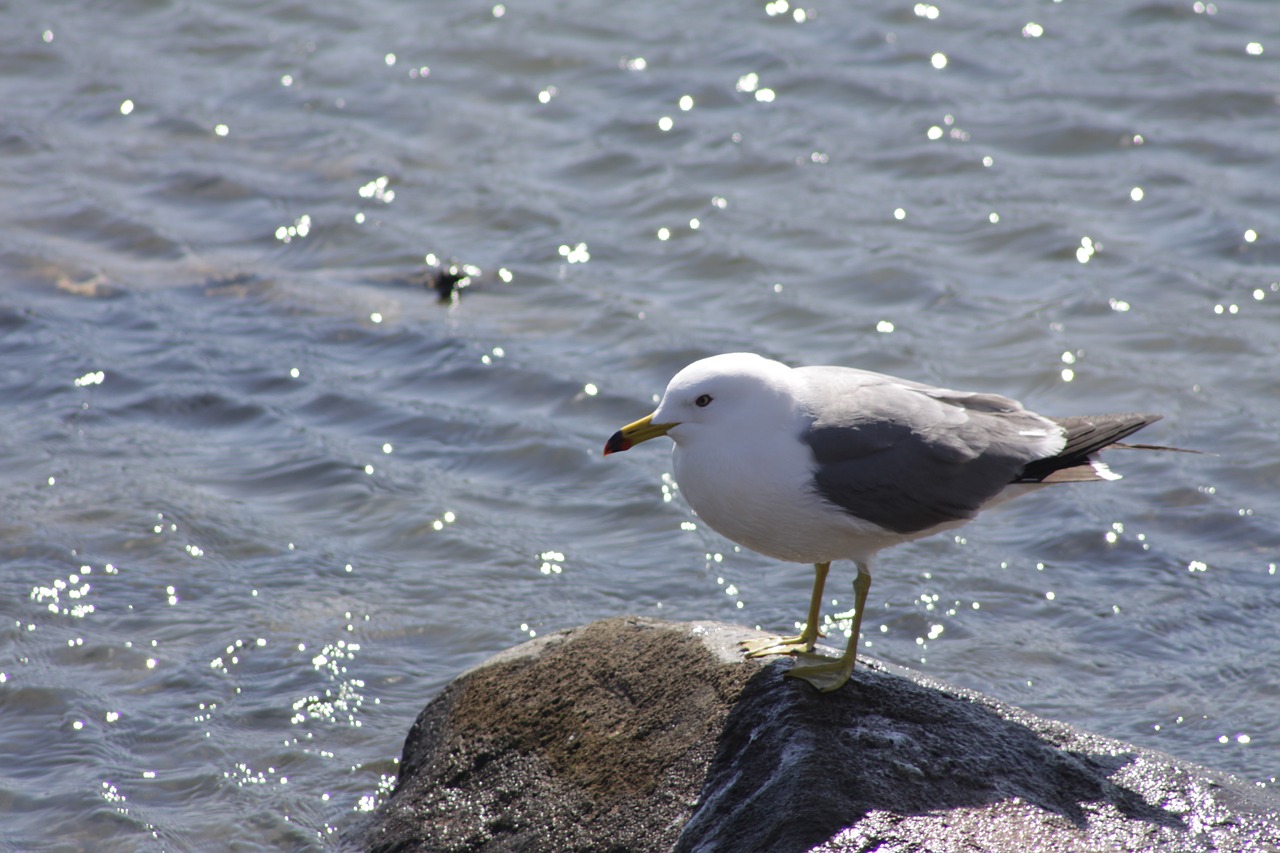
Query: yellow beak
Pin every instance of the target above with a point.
(632, 434)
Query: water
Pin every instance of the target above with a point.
(262, 496)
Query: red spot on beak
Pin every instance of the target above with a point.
(616, 443)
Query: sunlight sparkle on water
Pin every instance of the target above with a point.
(668, 486)
(65, 597)
(378, 190)
(575, 254)
(342, 704)
(1086, 251)
(300, 228)
(551, 562)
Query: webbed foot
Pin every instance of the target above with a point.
(766, 646)
(826, 674)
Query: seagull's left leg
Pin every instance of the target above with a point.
(825, 673)
(802, 642)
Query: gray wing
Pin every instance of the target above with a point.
(908, 456)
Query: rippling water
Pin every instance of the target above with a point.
(262, 495)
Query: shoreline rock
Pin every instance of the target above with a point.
(634, 734)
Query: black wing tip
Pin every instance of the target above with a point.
(1086, 435)
(1138, 420)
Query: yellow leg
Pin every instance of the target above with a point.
(825, 673)
(802, 642)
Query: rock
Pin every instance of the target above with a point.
(640, 735)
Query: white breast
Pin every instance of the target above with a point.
(766, 500)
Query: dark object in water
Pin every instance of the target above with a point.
(448, 279)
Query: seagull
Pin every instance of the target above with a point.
(816, 464)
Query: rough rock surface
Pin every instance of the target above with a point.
(640, 735)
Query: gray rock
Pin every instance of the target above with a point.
(637, 735)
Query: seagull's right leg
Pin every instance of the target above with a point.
(829, 674)
(803, 642)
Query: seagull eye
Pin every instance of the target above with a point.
(703, 401)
